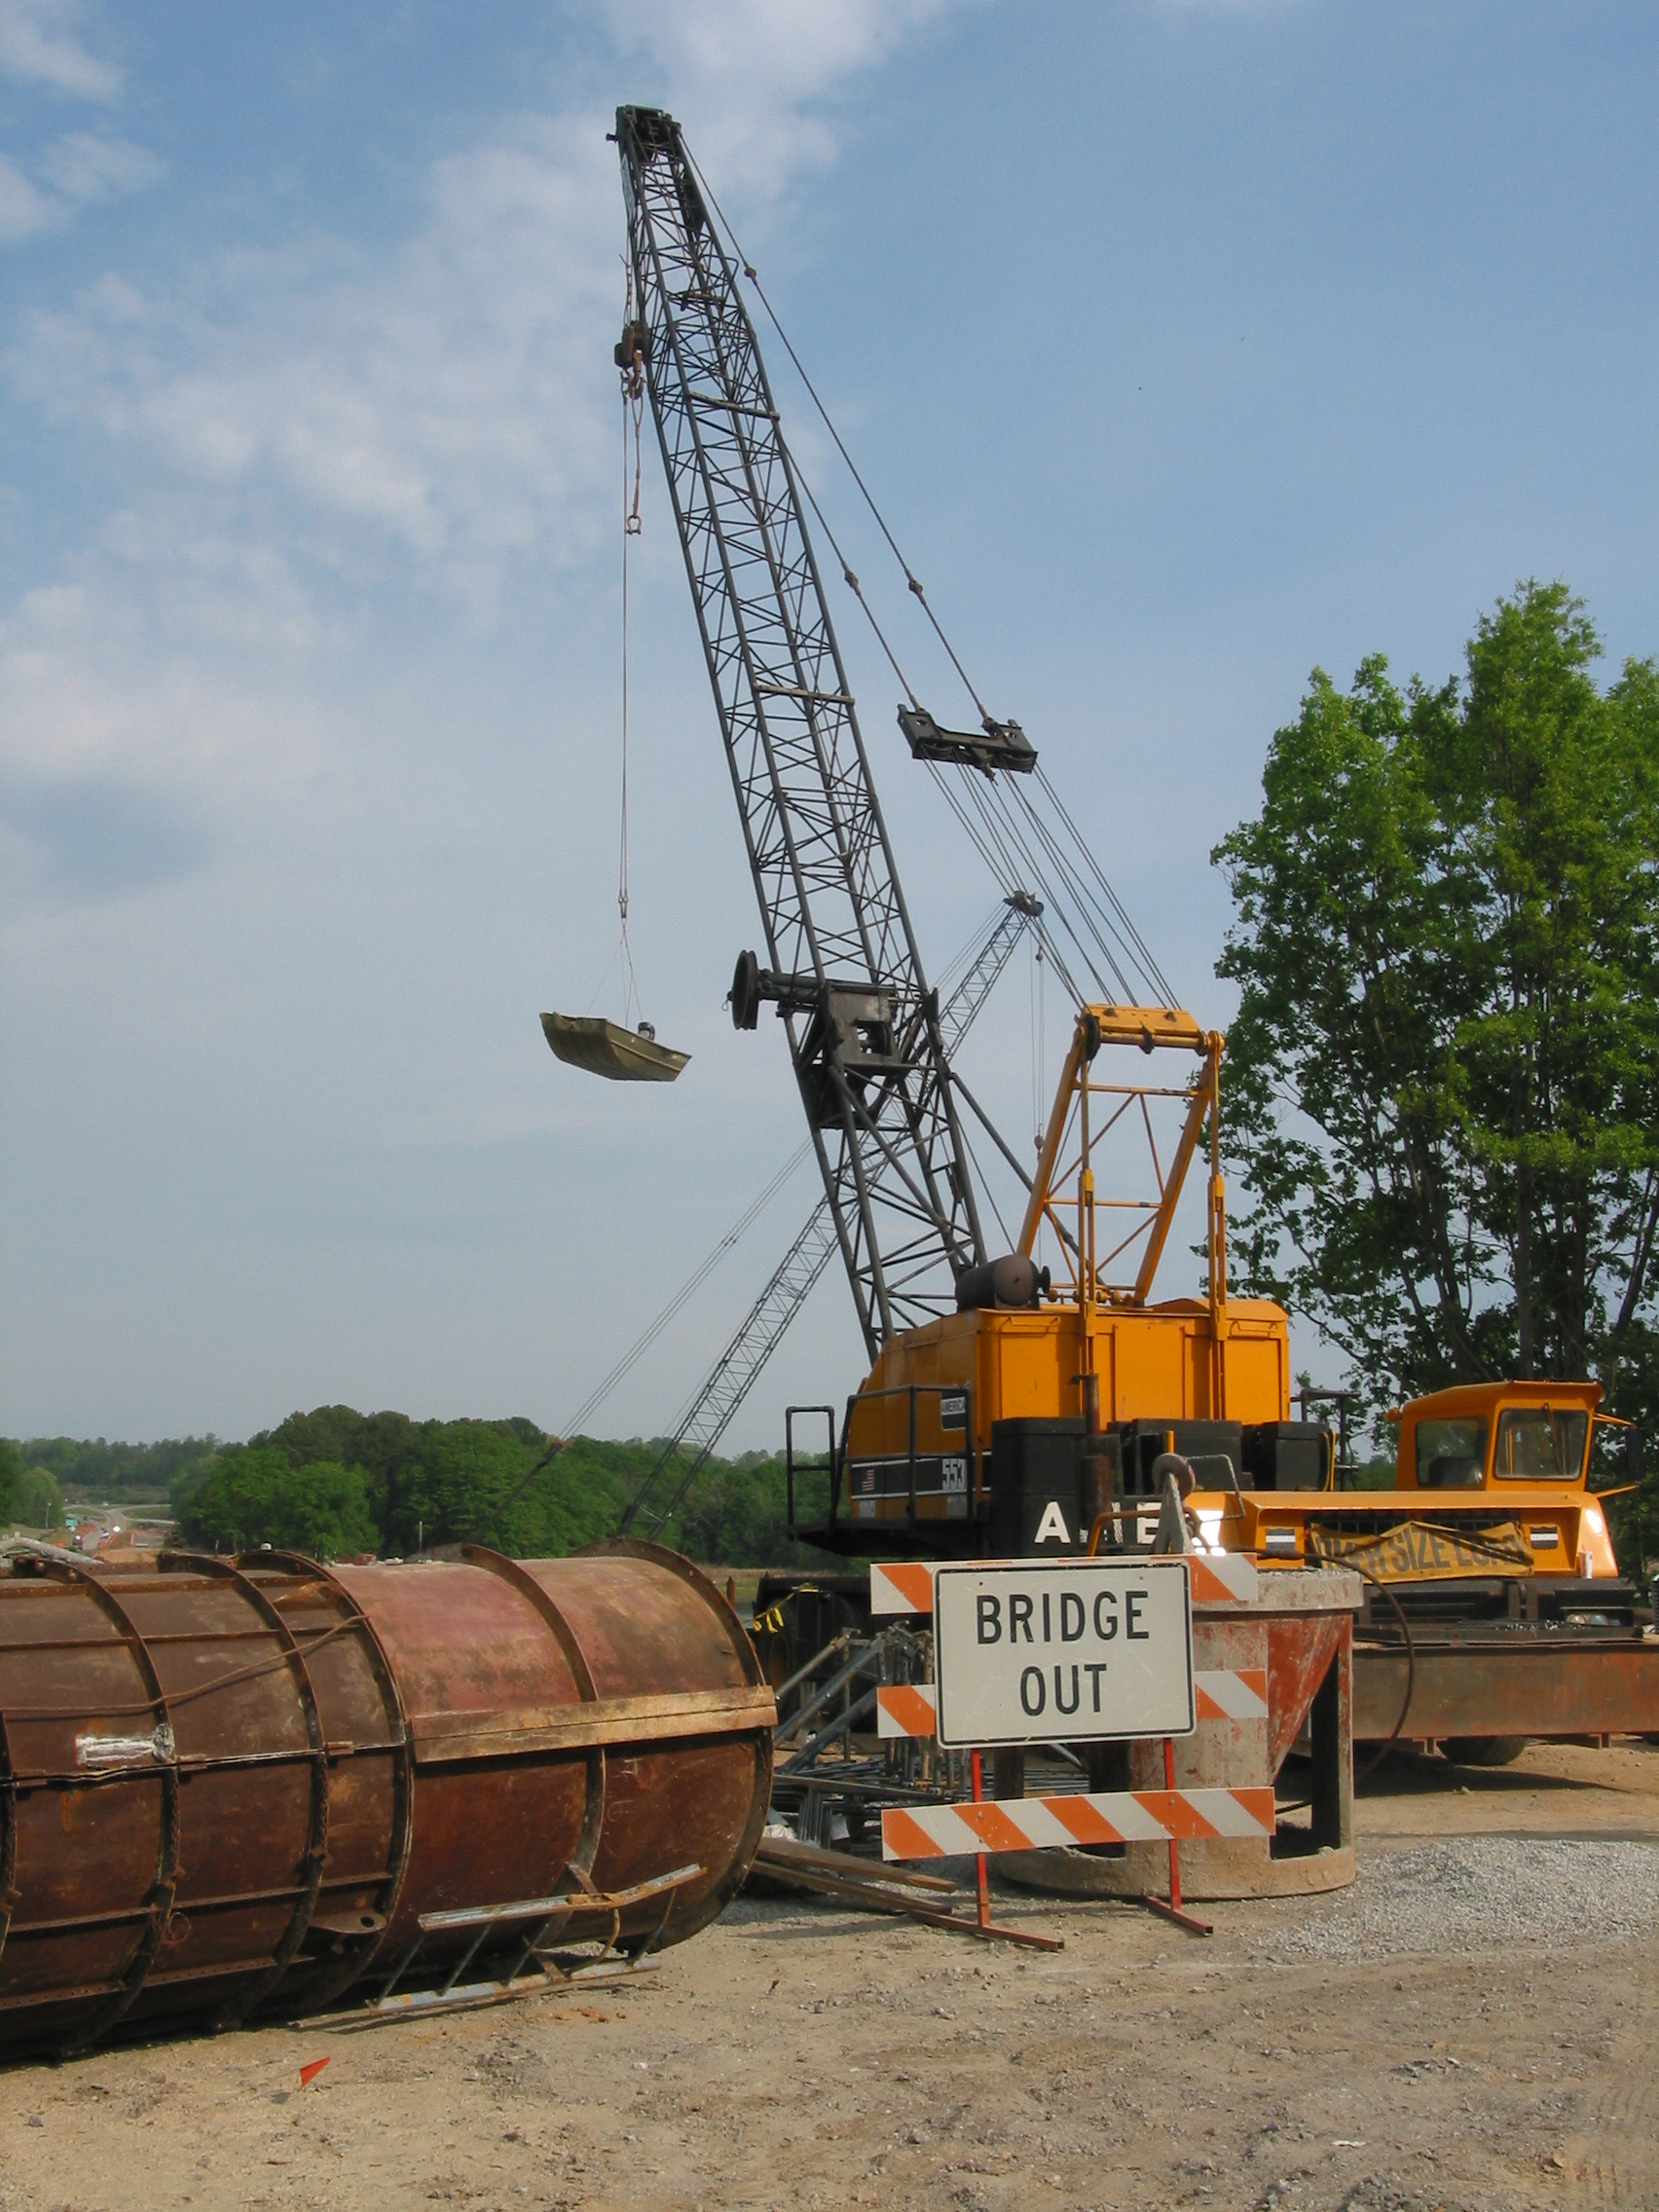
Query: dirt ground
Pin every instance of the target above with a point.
(798, 2054)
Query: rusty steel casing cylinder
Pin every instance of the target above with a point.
(229, 1786)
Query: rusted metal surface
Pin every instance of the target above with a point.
(1300, 1650)
(235, 1786)
(1530, 1682)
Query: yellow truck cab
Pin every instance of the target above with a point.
(1490, 1478)
(1526, 1445)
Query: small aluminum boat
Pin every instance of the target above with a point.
(605, 1047)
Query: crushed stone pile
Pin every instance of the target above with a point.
(1476, 1892)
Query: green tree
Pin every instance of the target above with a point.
(736, 1513)
(1549, 790)
(491, 1482)
(39, 1503)
(252, 1496)
(11, 1480)
(1442, 1092)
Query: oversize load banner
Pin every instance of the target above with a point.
(1417, 1551)
(1062, 1652)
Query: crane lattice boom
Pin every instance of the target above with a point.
(841, 963)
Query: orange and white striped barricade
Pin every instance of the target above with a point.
(1271, 1670)
(1099, 1817)
(1032, 1650)
(1220, 1693)
(902, 1586)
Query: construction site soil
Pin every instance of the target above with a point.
(1471, 2026)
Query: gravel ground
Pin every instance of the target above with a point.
(1470, 2029)
(1473, 1893)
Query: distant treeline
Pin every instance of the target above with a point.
(118, 1474)
(336, 1482)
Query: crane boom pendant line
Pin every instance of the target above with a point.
(843, 965)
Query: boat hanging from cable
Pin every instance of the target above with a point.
(600, 1046)
(606, 1048)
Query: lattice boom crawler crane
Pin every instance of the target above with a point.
(1006, 1411)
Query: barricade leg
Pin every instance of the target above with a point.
(981, 1879)
(1171, 1906)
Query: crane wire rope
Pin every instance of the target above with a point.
(997, 830)
(688, 1290)
(847, 577)
(1142, 950)
(1098, 924)
(960, 962)
(1102, 913)
(1037, 1014)
(990, 836)
(633, 412)
(750, 270)
(988, 1188)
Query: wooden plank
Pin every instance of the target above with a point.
(487, 1734)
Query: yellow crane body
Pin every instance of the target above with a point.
(964, 1373)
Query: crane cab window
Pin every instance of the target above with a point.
(1451, 1454)
(1541, 1444)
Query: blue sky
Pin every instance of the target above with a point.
(1187, 345)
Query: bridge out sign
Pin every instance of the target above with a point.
(1040, 1651)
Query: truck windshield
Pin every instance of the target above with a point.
(1451, 1454)
(1535, 1443)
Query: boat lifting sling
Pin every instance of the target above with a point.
(585, 1041)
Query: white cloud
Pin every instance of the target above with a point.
(446, 400)
(273, 811)
(23, 209)
(450, 400)
(84, 168)
(743, 72)
(311, 421)
(40, 43)
(80, 169)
